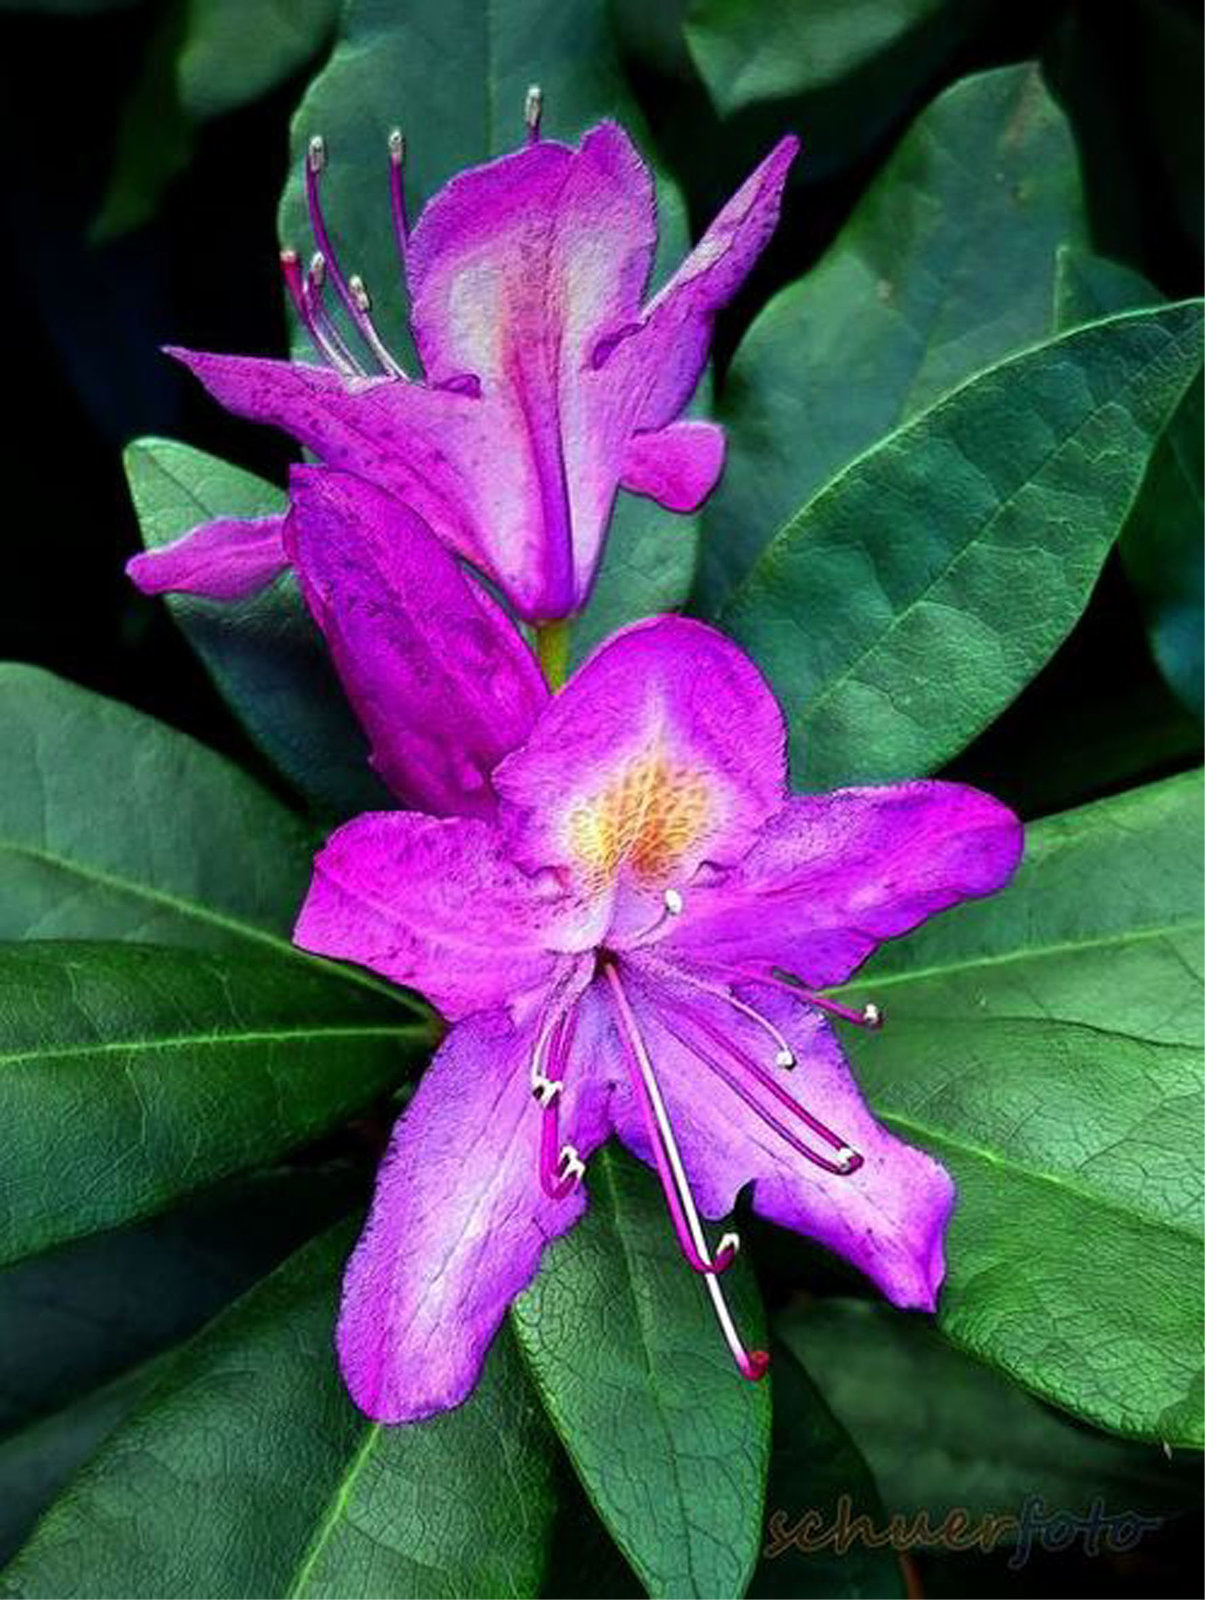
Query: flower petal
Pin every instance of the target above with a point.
(437, 673)
(888, 1217)
(223, 560)
(833, 875)
(666, 352)
(439, 906)
(678, 466)
(665, 750)
(458, 1223)
(463, 466)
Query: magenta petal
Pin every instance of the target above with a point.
(888, 1217)
(223, 560)
(458, 1223)
(835, 874)
(668, 734)
(678, 466)
(438, 906)
(439, 676)
(666, 354)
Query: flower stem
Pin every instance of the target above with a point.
(552, 647)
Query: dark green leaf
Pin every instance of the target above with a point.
(236, 50)
(670, 1443)
(78, 1327)
(249, 1472)
(816, 1466)
(264, 653)
(389, 70)
(944, 1432)
(1162, 544)
(1046, 1044)
(946, 265)
(913, 598)
(131, 1075)
(115, 826)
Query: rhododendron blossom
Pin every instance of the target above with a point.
(633, 939)
(549, 381)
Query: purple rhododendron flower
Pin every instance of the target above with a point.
(549, 382)
(632, 941)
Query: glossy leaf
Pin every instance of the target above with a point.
(131, 1075)
(913, 598)
(83, 1330)
(920, 1411)
(248, 1471)
(1162, 544)
(264, 653)
(814, 1467)
(1047, 1045)
(620, 1338)
(115, 826)
(386, 73)
(945, 266)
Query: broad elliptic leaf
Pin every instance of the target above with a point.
(816, 1467)
(264, 653)
(920, 1411)
(79, 1327)
(1162, 545)
(131, 1075)
(670, 1442)
(915, 596)
(115, 826)
(236, 50)
(247, 1471)
(1047, 1045)
(392, 69)
(946, 265)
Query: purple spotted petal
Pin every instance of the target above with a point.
(438, 906)
(888, 1217)
(458, 1223)
(438, 675)
(223, 560)
(665, 750)
(833, 875)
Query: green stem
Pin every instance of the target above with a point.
(552, 647)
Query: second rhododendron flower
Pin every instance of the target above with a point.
(549, 381)
(635, 941)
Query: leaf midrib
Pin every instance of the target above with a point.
(338, 1504)
(197, 911)
(208, 1041)
(1029, 953)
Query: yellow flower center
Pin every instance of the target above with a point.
(646, 818)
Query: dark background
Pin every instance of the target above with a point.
(82, 321)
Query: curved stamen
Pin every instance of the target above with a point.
(303, 304)
(846, 1160)
(671, 906)
(397, 197)
(785, 1056)
(355, 302)
(561, 1167)
(665, 1147)
(870, 1015)
(533, 110)
(320, 319)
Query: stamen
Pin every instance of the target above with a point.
(665, 1147)
(303, 304)
(561, 1168)
(870, 1016)
(356, 304)
(397, 196)
(324, 329)
(846, 1160)
(785, 1056)
(672, 904)
(533, 110)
